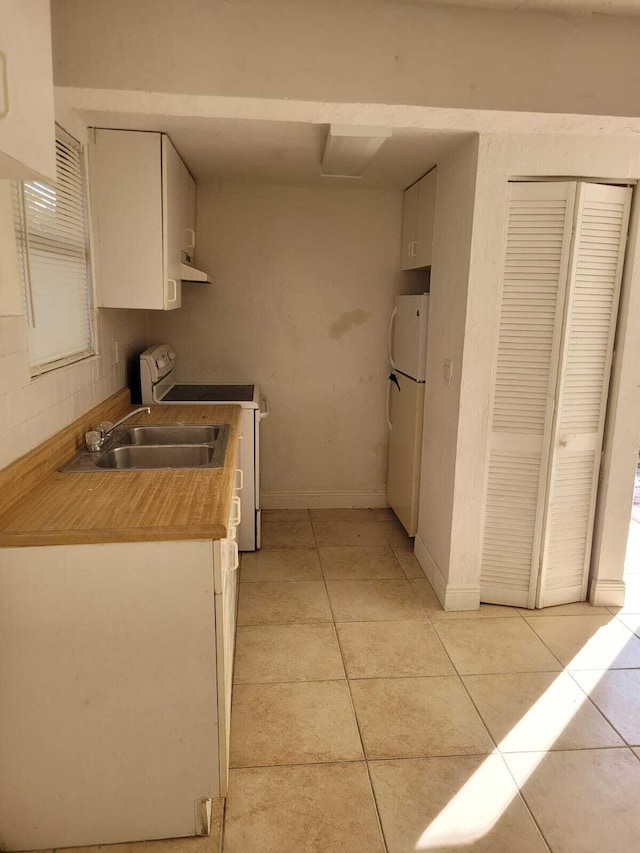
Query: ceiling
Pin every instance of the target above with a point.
(281, 152)
(579, 7)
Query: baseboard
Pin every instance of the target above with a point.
(607, 593)
(324, 500)
(463, 597)
(431, 569)
(451, 596)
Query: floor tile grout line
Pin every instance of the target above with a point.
(590, 699)
(383, 837)
(496, 750)
(535, 634)
(430, 675)
(464, 686)
(355, 716)
(526, 805)
(361, 760)
(592, 669)
(423, 757)
(520, 791)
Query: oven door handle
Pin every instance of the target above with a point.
(264, 412)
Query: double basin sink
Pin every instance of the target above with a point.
(156, 447)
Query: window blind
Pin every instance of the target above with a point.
(51, 233)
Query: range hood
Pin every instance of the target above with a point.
(188, 273)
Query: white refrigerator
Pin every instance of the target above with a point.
(405, 405)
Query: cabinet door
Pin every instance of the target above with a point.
(27, 129)
(409, 224)
(226, 554)
(188, 215)
(534, 276)
(600, 232)
(174, 227)
(126, 204)
(424, 226)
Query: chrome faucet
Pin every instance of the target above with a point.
(96, 438)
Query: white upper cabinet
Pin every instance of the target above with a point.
(174, 222)
(143, 205)
(27, 124)
(417, 222)
(409, 227)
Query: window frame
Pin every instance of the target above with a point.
(22, 245)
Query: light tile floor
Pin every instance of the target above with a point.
(366, 719)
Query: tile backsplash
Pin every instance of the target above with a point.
(31, 410)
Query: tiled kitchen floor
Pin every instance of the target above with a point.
(366, 719)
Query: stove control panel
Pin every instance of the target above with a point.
(156, 363)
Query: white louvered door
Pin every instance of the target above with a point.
(557, 322)
(601, 221)
(534, 275)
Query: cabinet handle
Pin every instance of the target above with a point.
(236, 556)
(5, 83)
(173, 282)
(413, 248)
(390, 339)
(240, 479)
(237, 505)
(192, 244)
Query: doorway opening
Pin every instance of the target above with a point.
(632, 557)
(635, 512)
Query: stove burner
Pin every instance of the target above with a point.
(209, 394)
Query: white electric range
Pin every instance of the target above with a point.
(157, 379)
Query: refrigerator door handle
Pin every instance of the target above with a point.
(389, 424)
(391, 325)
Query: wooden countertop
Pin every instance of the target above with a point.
(130, 506)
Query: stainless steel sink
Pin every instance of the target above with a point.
(151, 447)
(163, 456)
(169, 434)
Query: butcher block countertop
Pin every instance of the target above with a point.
(127, 506)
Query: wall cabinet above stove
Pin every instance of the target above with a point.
(143, 207)
(417, 222)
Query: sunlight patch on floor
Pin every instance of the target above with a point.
(485, 797)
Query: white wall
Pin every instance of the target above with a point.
(31, 410)
(304, 281)
(499, 158)
(453, 230)
(352, 50)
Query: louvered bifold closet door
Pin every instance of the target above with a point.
(536, 260)
(601, 221)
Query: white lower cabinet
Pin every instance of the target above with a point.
(116, 673)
